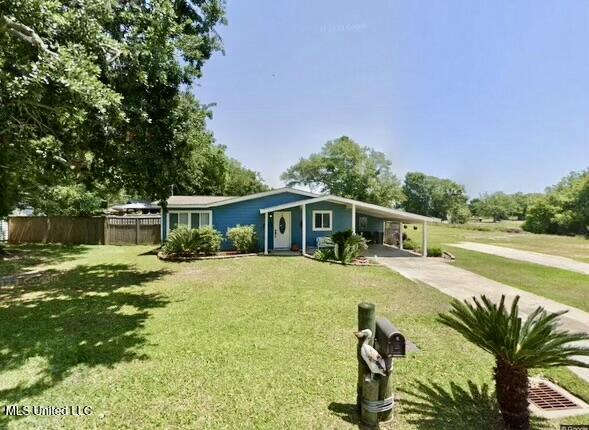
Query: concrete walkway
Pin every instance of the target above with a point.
(462, 284)
(528, 256)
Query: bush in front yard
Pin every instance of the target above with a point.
(408, 245)
(339, 238)
(243, 238)
(348, 246)
(209, 240)
(181, 241)
(192, 241)
(324, 254)
(434, 252)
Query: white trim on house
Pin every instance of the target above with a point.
(424, 239)
(322, 212)
(368, 208)
(304, 227)
(189, 212)
(245, 198)
(266, 233)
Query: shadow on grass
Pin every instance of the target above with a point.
(458, 408)
(16, 259)
(346, 411)
(153, 251)
(85, 316)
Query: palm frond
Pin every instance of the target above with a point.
(535, 342)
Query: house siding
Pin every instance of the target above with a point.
(342, 220)
(246, 213)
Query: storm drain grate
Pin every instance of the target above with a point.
(547, 398)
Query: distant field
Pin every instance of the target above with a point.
(504, 234)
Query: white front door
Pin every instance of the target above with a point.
(282, 229)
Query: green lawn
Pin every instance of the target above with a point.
(576, 248)
(258, 342)
(564, 286)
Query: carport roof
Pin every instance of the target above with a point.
(362, 207)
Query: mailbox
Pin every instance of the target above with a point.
(390, 341)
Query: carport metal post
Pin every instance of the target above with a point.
(304, 222)
(353, 219)
(266, 233)
(424, 240)
(400, 235)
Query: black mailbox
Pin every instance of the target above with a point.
(391, 341)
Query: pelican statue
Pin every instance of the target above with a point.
(370, 355)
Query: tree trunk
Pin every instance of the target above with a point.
(511, 384)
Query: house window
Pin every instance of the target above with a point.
(192, 219)
(322, 220)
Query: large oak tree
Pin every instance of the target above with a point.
(346, 169)
(432, 196)
(93, 92)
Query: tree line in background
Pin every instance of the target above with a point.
(97, 103)
(77, 200)
(563, 208)
(97, 106)
(345, 168)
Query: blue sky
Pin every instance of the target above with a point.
(494, 94)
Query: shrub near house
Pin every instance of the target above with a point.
(348, 247)
(243, 238)
(185, 241)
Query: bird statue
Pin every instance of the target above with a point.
(370, 355)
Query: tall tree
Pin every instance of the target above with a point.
(345, 168)
(432, 196)
(499, 206)
(240, 181)
(564, 209)
(91, 91)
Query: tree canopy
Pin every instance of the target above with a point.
(502, 206)
(436, 197)
(564, 209)
(345, 168)
(240, 181)
(498, 205)
(92, 92)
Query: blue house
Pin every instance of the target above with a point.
(286, 218)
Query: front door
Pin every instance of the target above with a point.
(282, 230)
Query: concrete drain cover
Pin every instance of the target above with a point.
(551, 401)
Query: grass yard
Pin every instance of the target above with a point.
(257, 342)
(576, 248)
(563, 286)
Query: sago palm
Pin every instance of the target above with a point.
(517, 346)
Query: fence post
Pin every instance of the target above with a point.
(137, 224)
(385, 390)
(366, 319)
(105, 231)
(48, 223)
(370, 393)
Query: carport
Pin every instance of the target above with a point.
(324, 215)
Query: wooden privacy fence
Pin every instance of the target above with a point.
(122, 230)
(100, 230)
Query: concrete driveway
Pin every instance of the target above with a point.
(462, 284)
(527, 256)
(379, 251)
